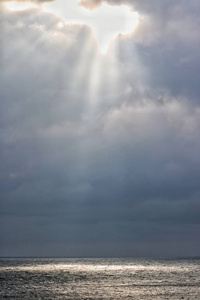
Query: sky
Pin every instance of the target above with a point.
(100, 128)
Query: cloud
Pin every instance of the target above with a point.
(89, 4)
(37, 1)
(94, 165)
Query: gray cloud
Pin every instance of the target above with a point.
(112, 174)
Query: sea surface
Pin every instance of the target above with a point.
(99, 279)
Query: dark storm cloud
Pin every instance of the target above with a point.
(116, 175)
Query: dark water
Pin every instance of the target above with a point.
(99, 279)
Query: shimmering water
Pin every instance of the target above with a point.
(99, 279)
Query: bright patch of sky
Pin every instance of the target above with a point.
(106, 21)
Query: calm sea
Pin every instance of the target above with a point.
(99, 279)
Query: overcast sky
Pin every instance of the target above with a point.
(100, 152)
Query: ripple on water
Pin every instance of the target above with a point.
(99, 279)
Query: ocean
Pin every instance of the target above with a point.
(99, 279)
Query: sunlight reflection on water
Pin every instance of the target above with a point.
(99, 279)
